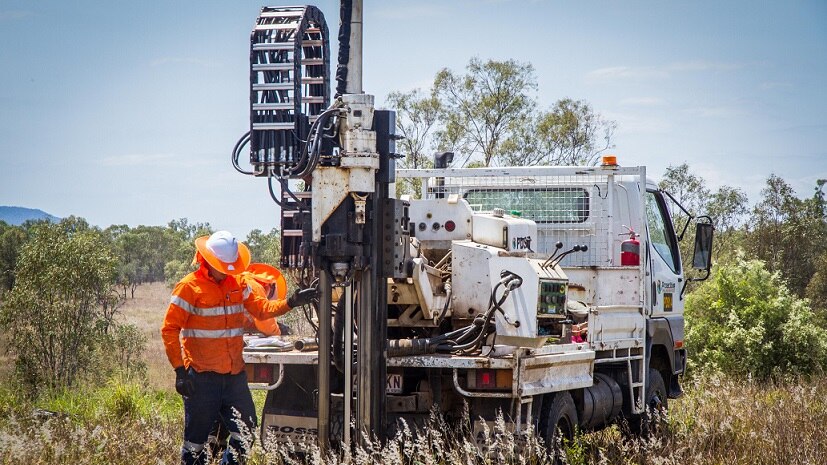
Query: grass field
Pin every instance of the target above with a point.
(146, 311)
(718, 421)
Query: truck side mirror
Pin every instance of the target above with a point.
(702, 257)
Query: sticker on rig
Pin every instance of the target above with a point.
(394, 384)
(667, 301)
(282, 428)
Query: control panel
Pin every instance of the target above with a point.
(551, 301)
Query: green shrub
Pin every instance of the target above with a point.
(746, 321)
(119, 352)
(61, 302)
(175, 270)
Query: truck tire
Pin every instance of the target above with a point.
(656, 401)
(558, 419)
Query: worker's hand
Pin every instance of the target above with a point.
(183, 382)
(302, 297)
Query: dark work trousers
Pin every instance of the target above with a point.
(218, 397)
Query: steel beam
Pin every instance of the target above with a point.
(325, 303)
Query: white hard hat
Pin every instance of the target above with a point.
(223, 252)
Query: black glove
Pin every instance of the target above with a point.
(302, 297)
(183, 382)
(285, 330)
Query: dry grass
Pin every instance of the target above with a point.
(146, 311)
(718, 421)
(726, 421)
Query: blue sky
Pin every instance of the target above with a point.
(126, 112)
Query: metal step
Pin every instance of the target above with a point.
(283, 13)
(273, 106)
(273, 126)
(286, 66)
(275, 46)
(277, 26)
(300, 195)
(274, 86)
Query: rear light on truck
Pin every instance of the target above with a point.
(260, 373)
(489, 379)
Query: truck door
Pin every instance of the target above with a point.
(666, 278)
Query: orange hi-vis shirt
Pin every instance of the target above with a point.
(208, 317)
(268, 327)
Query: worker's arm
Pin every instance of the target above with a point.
(174, 320)
(268, 327)
(262, 308)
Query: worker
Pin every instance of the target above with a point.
(207, 313)
(266, 281)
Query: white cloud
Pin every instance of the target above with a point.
(167, 160)
(701, 65)
(628, 123)
(659, 71)
(183, 61)
(627, 72)
(411, 11)
(11, 15)
(138, 159)
(771, 85)
(643, 101)
(715, 112)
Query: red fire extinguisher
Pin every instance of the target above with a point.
(630, 250)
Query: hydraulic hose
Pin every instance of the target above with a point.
(237, 152)
(312, 148)
(272, 192)
(402, 347)
(345, 13)
(466, 340)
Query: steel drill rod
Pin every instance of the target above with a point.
(325, 302)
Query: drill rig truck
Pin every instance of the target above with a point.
(551, 295)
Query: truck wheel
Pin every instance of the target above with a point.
(558, 420)
(657, 404)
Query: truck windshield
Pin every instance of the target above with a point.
(550, 205)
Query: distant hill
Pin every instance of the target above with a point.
(18, 215)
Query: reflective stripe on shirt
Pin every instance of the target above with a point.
(212, 333)
(209, 311)
(247, 291)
